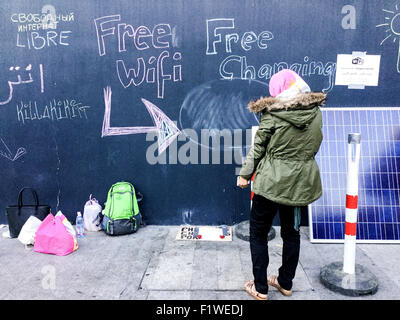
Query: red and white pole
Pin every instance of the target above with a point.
(354, 142)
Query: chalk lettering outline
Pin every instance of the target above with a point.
(266, 71)
(166, 129)
(101, 46)
(157, 34)
(245, 40)
(217, 35)
(129, 76)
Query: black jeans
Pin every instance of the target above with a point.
(262, 213)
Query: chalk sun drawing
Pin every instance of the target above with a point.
(165, 127)
(392, 23)
(6, 153)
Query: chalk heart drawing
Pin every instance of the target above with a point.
(6, 153)
(392, 25)
(165, 127)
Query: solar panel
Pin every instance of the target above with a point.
(379, 187)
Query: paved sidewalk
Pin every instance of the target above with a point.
(152, 265)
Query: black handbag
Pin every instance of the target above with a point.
(18, 214)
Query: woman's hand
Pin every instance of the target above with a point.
(242, 182)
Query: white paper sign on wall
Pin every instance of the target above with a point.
(357, 70)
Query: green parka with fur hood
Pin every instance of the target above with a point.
(282, 156)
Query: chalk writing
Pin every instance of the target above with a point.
(247, 40)
(221, 39)
(165, 128)
(392, 25)
(6, 153)
(160, 36)
(54, 110)
(48, 19)
(33, 40)
(19, 80)
(228, 69)
(152, 70)
(41, 78)
(36, 31)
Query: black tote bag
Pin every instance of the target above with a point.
(18, 214)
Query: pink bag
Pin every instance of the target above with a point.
(55, 236)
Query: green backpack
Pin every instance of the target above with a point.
(121, 212)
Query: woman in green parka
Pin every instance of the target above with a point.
(286, 175)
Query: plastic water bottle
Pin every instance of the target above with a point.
(79, 225)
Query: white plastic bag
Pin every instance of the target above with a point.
(91, 215)
(28, 231)
(67, 224)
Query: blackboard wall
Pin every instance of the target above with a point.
(96, 92)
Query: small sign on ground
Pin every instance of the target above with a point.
(205, 233)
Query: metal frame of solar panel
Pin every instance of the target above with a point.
(378, 218)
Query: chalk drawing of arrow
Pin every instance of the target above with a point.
(7, 153)
(164, 126)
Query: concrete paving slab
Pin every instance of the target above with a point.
(230, 276)
(171, 269)
(152, 265)
(205, 267)
(233, 295)
(169, 295)
(203, 295)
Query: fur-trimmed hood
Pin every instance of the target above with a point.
(299, 111)
(302, 101)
